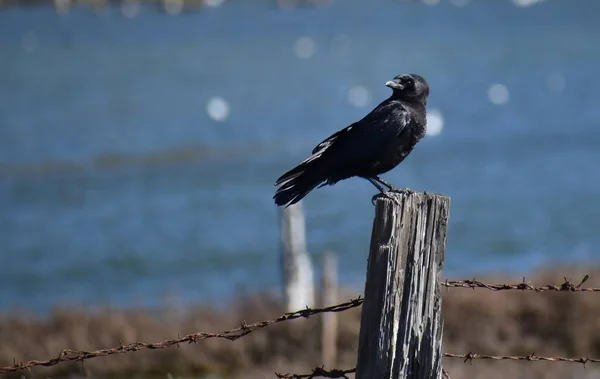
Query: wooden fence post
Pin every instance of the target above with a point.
(401, 325)
(297, 267)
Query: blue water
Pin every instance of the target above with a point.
(117, 187)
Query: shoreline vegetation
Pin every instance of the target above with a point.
(477, 321)
(130, 8)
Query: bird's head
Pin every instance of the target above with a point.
(409, 87)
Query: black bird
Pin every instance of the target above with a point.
(367, 148)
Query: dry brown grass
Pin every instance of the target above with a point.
(517, 323)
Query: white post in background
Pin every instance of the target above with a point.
(298, 282)
(329, 320)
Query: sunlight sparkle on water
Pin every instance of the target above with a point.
(526, 3)
(218, 109)
(498, 94)
(359, 96)
(213, 3)
(305, 47)
(173, 7)
(435, 122)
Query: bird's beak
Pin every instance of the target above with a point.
(393, 84)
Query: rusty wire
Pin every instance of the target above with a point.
(320, 372)
(530, 358)
(567, 286)
(245, 329)
(232, 335)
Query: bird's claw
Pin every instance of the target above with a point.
(406, 191)
(380, 194)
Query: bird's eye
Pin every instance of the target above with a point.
(409, 82)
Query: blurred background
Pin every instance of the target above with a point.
(139, 143)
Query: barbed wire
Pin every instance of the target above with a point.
(532, 357)
(468, 357)
(567, 286)
(320, 372)
(231, 334)
(244, 329)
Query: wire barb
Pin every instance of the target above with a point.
(319, 372)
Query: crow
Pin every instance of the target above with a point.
(367, 148)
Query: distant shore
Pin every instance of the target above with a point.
(130, 7)
(509, 322)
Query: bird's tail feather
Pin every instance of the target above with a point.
(297, 183)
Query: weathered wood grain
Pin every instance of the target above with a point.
(401, 326)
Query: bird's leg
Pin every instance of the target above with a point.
(388, 185)
(376, 184)
(379, 187)
(382, 190)
(391, 187)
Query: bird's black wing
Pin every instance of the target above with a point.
(332, 138)
(317, 152)
(363, 141)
